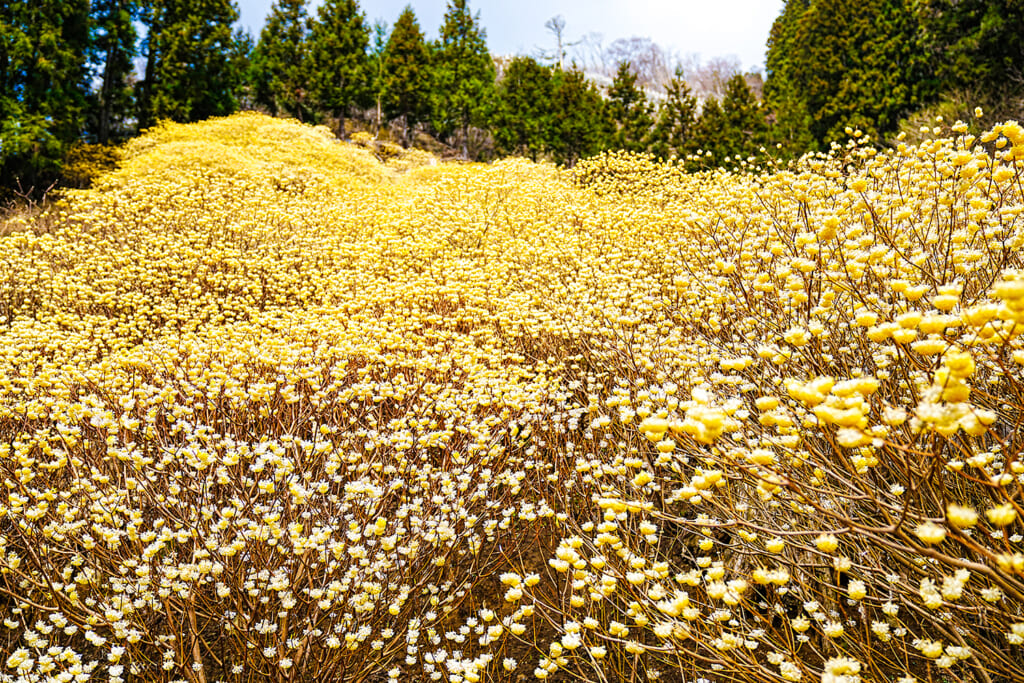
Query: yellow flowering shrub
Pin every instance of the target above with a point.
(85, 162)
(273, 410)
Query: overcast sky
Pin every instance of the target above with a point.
(710, 28)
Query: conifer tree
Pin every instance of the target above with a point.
(191, 66)
(463, 75)
(406, 69)
(975, 44)
(579, 125)
(629, 111)
(43, 86)
(340, 67)
(848, 64)
(710, 135)
(379, 42)
(278, 69)
(745, 125)
(791, 122)
(677, 117)
(522, 114)
(242, 49)
(150, 17)
(114, 48)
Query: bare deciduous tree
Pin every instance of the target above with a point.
(556, 26)
(654, 65)
(651, 63)
(590, 55)
(709, 78)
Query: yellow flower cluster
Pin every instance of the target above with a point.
(270, 409)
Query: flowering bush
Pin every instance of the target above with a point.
(273, 411)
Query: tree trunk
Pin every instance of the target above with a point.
(146, 96)
(340, 116)
(105, 97)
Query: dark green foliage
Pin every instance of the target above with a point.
(406, 74)
(114, 40)
(523, 109)
(835, 63)
(629, 111)
(191, 66)
(895, 76)
(711, 134)
(278, 69)
(379, 34)
(578, 120)
(791, 122)
(463, 75)
(340, 68)
(43, 86)
(242, 48)
(673, 133)
(975, 44)
(745, 125)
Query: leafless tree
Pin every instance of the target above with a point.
(556, 26)
(708, 78)
(590, 55)
(652, 64)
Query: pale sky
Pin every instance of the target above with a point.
(710, 28)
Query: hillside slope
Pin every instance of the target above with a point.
(271, 410)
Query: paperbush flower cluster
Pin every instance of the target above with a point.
(271, 410)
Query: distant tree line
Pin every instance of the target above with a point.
(68, 73)
(834, 63)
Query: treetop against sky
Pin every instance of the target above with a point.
(726, 27)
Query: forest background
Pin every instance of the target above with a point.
(77, 76)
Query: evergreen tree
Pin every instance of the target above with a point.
(975, 44)
(150, 17)
(191, 65)
(677, 117)
(463, 74)
(849, 64)
(406, 68)
(523, 108)
(629, 111)
(897, 76)
(746, 127)
(791, 122)
(43, 86)
(242, 49)
(579, 125)
(278, 69)
(379, 32)
(710, 135)
(114, 48)
(340, 68)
